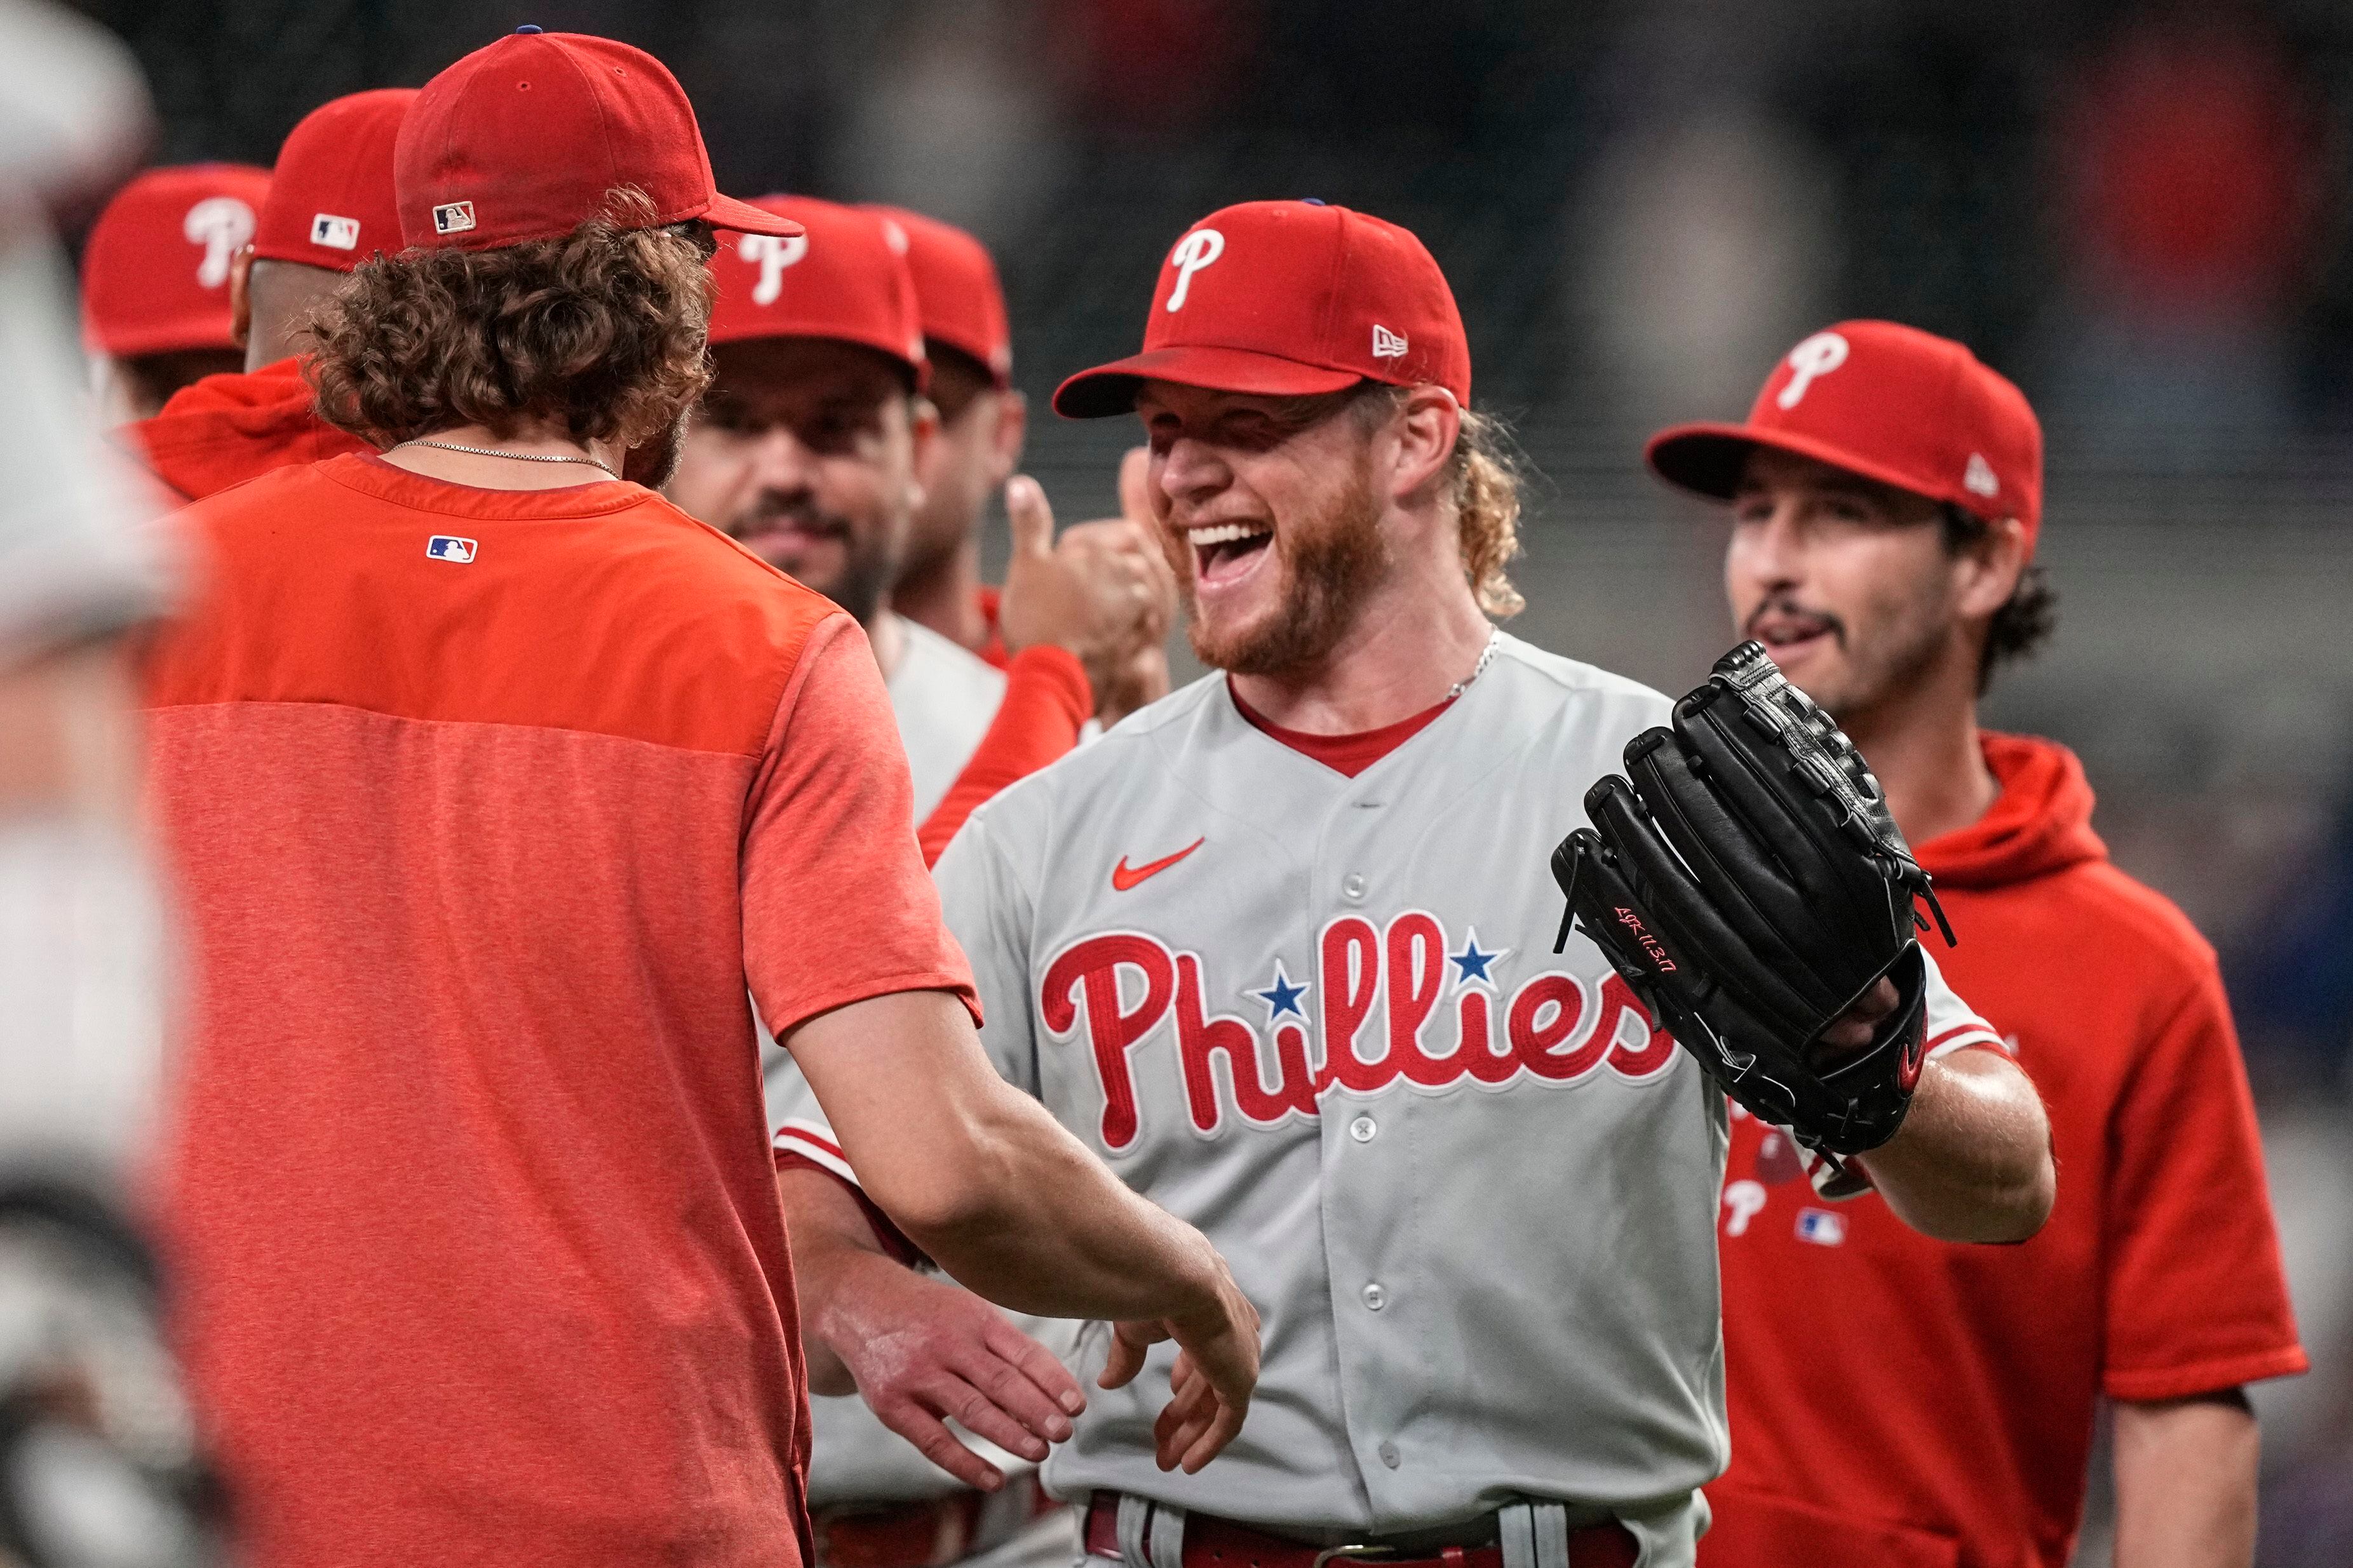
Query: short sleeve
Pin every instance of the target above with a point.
(989, 910)
(836, 905)
(2197, 1295)
(79, 555)
(1953, 1024)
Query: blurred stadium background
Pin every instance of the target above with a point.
(2139, 211)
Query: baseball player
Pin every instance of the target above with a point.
(155, 283)
(329, 207)
(1895, 1401)
(1281, 948)
(983, 419)
(806, 450)
(495, 783)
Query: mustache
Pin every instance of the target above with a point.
(774, 508)
(1782, 606)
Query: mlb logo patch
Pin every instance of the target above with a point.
(449, 547)
(1821, 1226)
(453, 217)
(334, 233)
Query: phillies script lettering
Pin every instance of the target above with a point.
(1556, 1029)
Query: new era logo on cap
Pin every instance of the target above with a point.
(336, 232)
(1387, 344)
(453, 217)
(1978, 477)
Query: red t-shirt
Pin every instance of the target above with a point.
(486, 808)
(1347, 754)
(1906, 1402)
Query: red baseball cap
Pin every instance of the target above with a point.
(956, 287)
(331, 198)
(527, 138)
(1288, 298)
(154, 276)
(834, 276)
(1890, 403)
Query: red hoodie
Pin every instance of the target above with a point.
(228, 428)
(1911, 1404)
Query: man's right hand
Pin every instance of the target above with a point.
(924, 1352)
(1209, 1386)
(1102, 590)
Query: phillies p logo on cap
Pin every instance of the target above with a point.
(1817, 356)
(1193, 252)
(220, 224)
(771, 253)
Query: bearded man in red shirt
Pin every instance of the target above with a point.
(1895, 1400)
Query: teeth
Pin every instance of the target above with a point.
(1226, 533)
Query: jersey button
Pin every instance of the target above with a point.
(1375, 1298)
(1354, 888)
(1389, 1455)
(1362, 1128)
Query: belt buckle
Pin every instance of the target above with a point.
(1364, 1553)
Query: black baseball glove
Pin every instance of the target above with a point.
(1751, 887)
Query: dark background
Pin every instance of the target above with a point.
(2138, 212)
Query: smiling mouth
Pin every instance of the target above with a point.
(1227, 551)
(1780, 633)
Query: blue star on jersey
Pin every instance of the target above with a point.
(1473, 962)
(1282, 997)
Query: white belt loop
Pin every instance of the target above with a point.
(1551, 1521)
(1134, 1518)
(1515, 1532)
(1166, 1537)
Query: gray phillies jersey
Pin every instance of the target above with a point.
(1471, 1191)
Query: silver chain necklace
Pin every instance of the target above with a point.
(1486, 657)
(522, 457)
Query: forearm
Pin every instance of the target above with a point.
(1058, 1235)
(2185, 1474)
(831, 1242)
(980, 1177)
(1973, 1160)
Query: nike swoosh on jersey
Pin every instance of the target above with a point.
(1123, 877)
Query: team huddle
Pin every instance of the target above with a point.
(717, 1038)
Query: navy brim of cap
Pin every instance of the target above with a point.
(1708, 459)
(1110, 389)
(743, 218)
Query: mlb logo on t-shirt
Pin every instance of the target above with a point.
(334, 233)
(449, 547)
(1821, 1226)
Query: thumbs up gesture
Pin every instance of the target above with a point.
(1102, 590)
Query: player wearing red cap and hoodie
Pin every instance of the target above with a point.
(329, 207)
(1894, 1400)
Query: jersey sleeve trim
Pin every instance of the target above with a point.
(2209, 1376)
(807, 1156)
(809, 1140)
(1972, 1031)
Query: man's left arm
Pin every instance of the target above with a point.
(1972, 1161)
(2185, 1482)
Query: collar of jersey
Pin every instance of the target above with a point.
(371, 475)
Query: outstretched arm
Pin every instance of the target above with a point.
(988, 1184)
